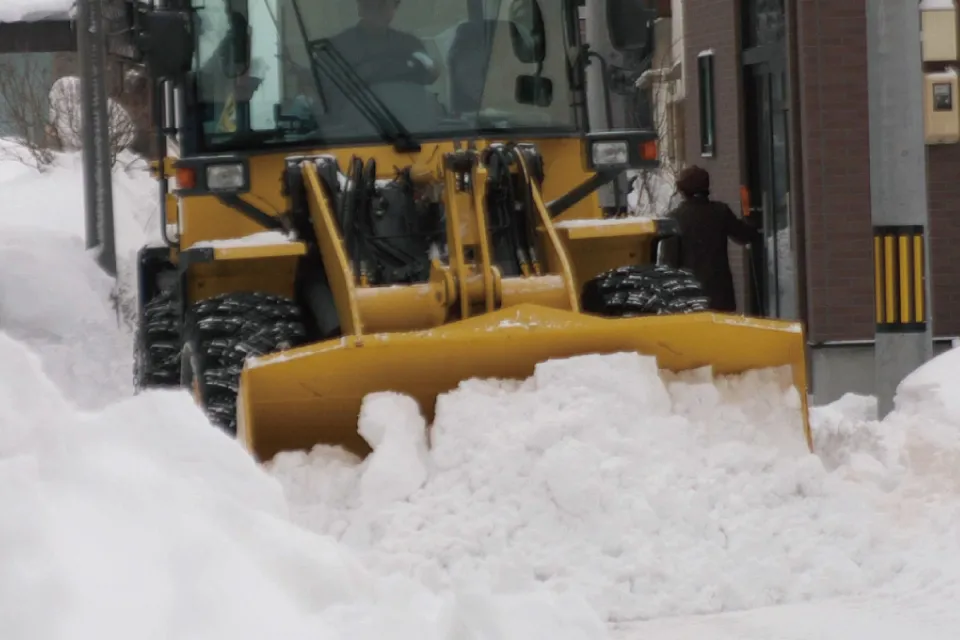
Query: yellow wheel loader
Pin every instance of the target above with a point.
(369, 195)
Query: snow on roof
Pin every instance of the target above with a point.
(937, 5)
(35, 10)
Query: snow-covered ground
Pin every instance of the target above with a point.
(595, 500)
(53, 297)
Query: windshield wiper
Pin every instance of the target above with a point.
(390, 129)
(360, 95)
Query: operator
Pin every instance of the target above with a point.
(379, 53)
(705, 227)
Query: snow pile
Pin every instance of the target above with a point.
(143, 521)
(595, 477)
(54, 296)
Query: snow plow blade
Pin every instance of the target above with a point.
(312, 394)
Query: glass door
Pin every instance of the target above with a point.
(775, 275)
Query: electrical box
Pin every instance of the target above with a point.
(941, 117)
(938, 30)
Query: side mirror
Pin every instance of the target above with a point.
(166, 42)
(527, 31)
(630, 24)
(534, 90)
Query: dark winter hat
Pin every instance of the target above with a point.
(693, 181)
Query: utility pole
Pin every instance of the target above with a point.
(898, 194)
(95, 138)
(613, 197)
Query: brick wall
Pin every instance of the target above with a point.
(834, 102)
(833, 108)
(943, 170)
(836, 162)
(714, 24)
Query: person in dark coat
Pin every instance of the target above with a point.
(705, 227)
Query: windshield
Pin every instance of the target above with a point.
(334, 72)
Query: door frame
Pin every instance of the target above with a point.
(762, 104)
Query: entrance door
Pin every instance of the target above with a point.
(774, 276)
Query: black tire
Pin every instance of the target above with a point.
(643, 290)
(220, 333)
(156, 360)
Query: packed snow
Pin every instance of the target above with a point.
(596, 499)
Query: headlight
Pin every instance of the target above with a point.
(606, 154)
(225, 177)
(621, 150)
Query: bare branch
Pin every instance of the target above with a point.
(653, 190)
(23, 100)
(67, 121)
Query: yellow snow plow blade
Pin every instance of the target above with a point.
(312, 394)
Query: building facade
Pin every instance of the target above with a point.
(777, 111)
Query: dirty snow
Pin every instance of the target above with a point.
(593, 500)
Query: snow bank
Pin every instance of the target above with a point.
(52, 294)
(594, 477)
(143, 521)
(651, 498)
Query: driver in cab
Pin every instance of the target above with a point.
(379, 53)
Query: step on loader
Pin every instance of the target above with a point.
(370, 195)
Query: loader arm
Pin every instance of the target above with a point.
(467, 320)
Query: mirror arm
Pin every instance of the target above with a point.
(604, 74)
(581, 191)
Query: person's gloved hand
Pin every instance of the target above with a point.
(423, 68)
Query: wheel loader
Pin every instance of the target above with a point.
(375, 195)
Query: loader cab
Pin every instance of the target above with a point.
(286, 73)
(270, 75)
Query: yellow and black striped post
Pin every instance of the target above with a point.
(900, 279)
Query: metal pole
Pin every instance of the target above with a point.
(613, 198)
(98, 193)
(898, 194)
(86, 126)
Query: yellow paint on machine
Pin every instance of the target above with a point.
(466, 320)
(312, 394)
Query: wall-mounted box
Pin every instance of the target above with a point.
(941, 115)
(938, 30)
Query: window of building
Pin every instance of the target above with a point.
(708, 141)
